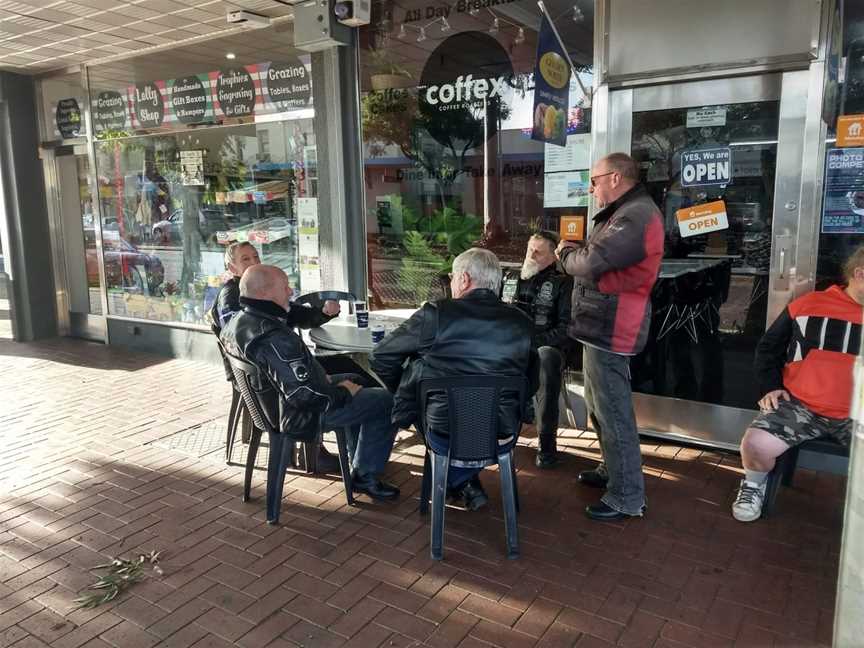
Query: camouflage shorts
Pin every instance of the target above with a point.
(794, 424)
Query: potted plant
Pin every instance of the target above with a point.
(385, 74)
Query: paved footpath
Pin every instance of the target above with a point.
(110, 453)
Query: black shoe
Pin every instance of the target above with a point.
(470, 495)
(373, 487)
(606, 513)
(327, 463)
(593, 479)
(546, 459)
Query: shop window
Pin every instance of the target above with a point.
(841, 221)
(447, 111)
(190, 158)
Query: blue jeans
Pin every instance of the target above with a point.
(610, 405)
(371, 434)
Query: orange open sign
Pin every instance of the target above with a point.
(701, 219)
(572, 228)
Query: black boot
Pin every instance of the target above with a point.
(547, 455)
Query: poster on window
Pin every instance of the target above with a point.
(575, 155)
(192, 167)
(307, 244)
(843, 207)
(568, 189)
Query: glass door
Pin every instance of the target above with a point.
(81, 282)
(712, 156)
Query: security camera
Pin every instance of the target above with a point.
(352, 13)
(247, 19)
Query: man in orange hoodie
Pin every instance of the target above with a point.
(804, 366)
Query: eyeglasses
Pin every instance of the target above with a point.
(594, 178)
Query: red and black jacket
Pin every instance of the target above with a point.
(614, 274)
(810, 350)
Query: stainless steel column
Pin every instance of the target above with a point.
(341, 213)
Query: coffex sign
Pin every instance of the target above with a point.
(466, 89)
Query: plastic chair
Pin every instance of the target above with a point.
(473, 404)
(264, 404)
(235, 412)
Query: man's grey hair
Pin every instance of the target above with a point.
(231, 251)
(622, 164)
(482, 266)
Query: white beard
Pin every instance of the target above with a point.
(529, 269)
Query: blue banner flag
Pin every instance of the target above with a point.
(551, 87)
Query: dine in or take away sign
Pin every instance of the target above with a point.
(572, 228)
(702, 219)
(850, 130)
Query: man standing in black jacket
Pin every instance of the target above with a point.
(261, 334)
(474, 333)
(543, 293)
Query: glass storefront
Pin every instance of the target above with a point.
(710, 300)
(844, 95)
(447, 112)
(193, 153)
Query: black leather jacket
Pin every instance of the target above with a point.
(227, 304)
(475, 335)
(262, 335)
(545, 298)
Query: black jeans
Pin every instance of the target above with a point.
(610, 406)
(547, 397)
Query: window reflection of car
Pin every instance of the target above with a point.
(125, 266)
(210, 221)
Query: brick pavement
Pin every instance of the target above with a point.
(81, 480)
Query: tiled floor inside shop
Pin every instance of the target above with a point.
(108, 453)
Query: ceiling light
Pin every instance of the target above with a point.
(520, 36)
(494, 28)
(231, 56)
(422, 35)
(402, 33)
(445, 26)
(578, 16)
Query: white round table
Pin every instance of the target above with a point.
(342, 334)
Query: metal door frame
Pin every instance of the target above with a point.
(84, 325)
(790, 271)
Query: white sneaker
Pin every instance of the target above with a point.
(748, 503)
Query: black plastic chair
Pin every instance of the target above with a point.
(316, 299)
(473, 407)
(264, 404)
(235, 412)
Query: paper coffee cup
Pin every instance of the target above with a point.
(378, 332)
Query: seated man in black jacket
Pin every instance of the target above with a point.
(261, 334)
(473, 333)
(239, 257)
(543, 293)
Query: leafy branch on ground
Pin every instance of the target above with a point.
(120, 575)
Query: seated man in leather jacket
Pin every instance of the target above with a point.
(238, 257)
(543, 293)
(261, 334)
(474, 333)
